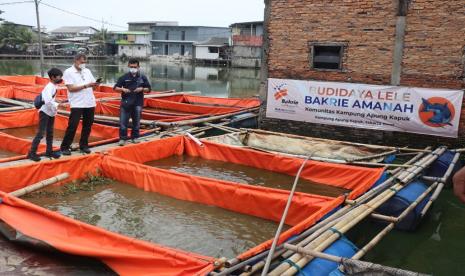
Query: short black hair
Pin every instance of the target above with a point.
(78, 56)
(54, 72)
(133, 61)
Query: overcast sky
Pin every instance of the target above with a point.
(187, 12)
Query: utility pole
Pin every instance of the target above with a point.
(39, 31)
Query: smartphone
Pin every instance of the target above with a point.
(99, 80)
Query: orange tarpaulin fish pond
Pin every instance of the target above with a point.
(18, 128)
(129, 256)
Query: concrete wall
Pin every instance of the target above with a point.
(246, 56)
(196, 34)
(174, 48)
(432, 54)
(141, 51)
(202, 52)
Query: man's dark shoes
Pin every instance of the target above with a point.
(85, 150)
(65, 152)
(34, 157)
(53, 155)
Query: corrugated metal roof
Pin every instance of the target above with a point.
(72, 29)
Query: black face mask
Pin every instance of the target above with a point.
(57, 81)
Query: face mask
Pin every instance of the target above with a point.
(82, 66)
(133, 70)
(57, 81)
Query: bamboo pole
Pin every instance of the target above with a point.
(15, 102)
(111, 119)
(441, 184)
(152, 96)
(206, 119)
(39, 185)
(313, 253)
(13, 108)
(388, 228)
(234, 264)
(283, 219)
(357, 214)
(225, 128)
(219, 127)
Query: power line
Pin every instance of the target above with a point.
(16, 2)
(82, 16)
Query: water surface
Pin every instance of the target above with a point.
(190, 226)
(242, 174)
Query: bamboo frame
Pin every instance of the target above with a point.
(319, 228)
(351, 218)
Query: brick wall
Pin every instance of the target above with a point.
(433, 53)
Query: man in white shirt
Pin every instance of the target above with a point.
(47, 113)
(80, 83)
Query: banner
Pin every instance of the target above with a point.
(393, 108)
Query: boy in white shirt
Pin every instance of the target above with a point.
(47, 114)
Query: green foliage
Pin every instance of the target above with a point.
(90, 183)
(101, 35)
(14, 37)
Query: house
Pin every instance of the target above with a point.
(247, 41)
(131, 43)
(351, 70)
(74, 31)
(179, 40)
(214, 50)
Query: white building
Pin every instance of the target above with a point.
(212, 50)
(132, 43)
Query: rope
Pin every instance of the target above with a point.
(291, 263)
(335, 231)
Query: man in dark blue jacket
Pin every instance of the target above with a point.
(132, 86)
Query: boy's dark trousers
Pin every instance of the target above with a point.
(87, 121)
(45, 127)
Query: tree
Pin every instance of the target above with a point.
(101, 35)
(14, 38)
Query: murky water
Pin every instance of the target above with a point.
(437, 247)
(241, 174)
(190, 226)
(6, 154)
(212, 81)
(18, 259)
(30, 132)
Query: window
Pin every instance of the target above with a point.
(326, 56)
(183, 50)
(166, 49)
(183, 35)
(213, 50)
(167, 35)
